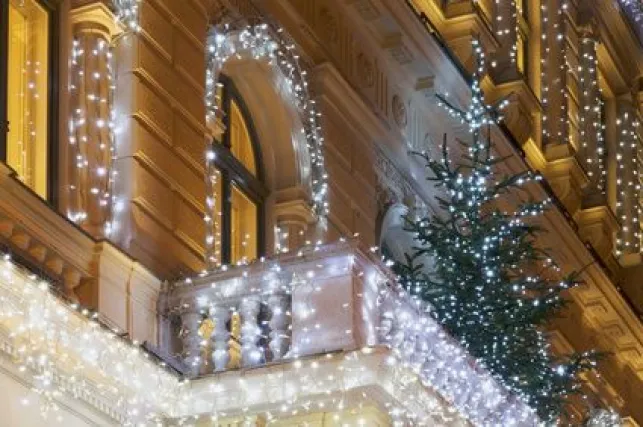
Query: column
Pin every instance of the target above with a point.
(591, 144)
(628, 186)
(504, 65)
(90, 149)
(555, 98)
(294, 220)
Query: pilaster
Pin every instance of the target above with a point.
(161, 139)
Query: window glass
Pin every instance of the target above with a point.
(240, 142)
(27, 92)
(243, 242)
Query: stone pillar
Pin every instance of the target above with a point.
(628, 184)
(504, 62)
(555, 96)
(89, 149)
(591, 144)
(293, 221)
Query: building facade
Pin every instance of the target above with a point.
(198, 189)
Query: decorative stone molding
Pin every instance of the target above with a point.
(598, 226)
(328, 25)
(364, 70)
(522, 113)
(568, 180)
(399, 111)
(366, 8)
(396, 45)
(392, 187)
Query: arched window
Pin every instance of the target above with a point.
(239, 190)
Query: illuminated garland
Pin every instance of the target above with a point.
(628, 185)
(274, 46)
(64, 351)
(91, 136)
(592, 143)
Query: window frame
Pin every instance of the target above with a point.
(233, 171)
(52, 8)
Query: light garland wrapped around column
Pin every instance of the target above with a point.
(91, 138)
(628, 185)
(554, 66)
(506, 29)
(270, 44)
(591, 152)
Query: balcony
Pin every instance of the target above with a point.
(327, 326)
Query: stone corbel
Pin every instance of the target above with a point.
(568, 180)
(524, 107)
(598, 227)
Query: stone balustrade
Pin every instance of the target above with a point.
(326, 301)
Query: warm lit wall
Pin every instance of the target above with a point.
(161, 137)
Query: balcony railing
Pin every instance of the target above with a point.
(329, 299)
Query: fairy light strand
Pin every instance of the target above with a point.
(262, 43)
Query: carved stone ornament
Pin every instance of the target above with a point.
(399, 111)
(328, 25)
(391, 185)
(364, 70)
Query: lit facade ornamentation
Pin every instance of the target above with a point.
(91, 136)
(287, 300)
(272, 45)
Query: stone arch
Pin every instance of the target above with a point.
(277, 123)
(263, 63)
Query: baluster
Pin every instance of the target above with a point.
(250, 331)
(279, 322)
(220, 337)
(191, 341)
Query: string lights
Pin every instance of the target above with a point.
(507, 27)
(91, 136)
(293, 288)
(591, 132)
(478, 265)
(262, 43)
(65, 352)
(628, 185)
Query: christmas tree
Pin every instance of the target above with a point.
(488, 283)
